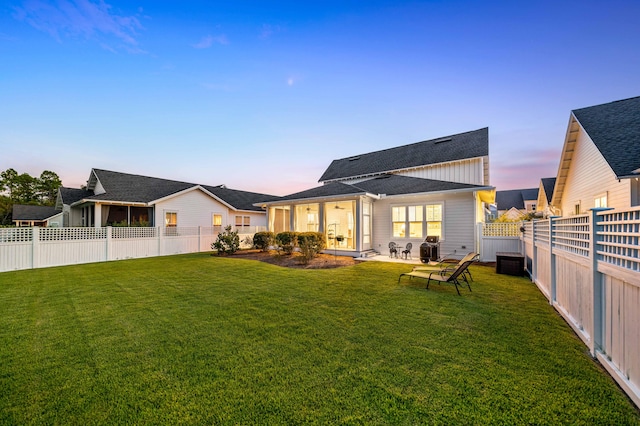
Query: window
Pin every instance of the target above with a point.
(307, 218)
(576, 209)
(279, 219)
(216, 222)
(601, 201)
(171, 219)
(398, 219)
(434, 220)
(171, 223)
(416, 219)
(243, 222)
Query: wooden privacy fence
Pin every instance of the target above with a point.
(27, 248)
(588, 267)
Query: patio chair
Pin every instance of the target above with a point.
(454, 277)
(443, 267)
(393, 250)
(407, 251)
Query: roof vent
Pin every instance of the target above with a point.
(354, 158)
(443, 140)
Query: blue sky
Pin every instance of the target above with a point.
(261, 96)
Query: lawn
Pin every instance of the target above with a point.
(197, 339)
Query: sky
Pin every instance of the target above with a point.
(262, 96)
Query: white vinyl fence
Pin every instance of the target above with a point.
(498, 237)
(588, 266)
(27, 248)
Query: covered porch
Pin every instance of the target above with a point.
(97, 215)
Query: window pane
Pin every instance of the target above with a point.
(171, 219)
(415, 213)
(398, 214)
(247, 221)
(398, 229)
(434, 229)
(217, 220)
(415, 229)
(434, 212)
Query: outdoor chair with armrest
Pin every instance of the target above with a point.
(452, 277)
(445, 267)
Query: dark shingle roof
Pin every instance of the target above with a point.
(131, 188)
(71, 195)
(515, 198)
(548, 185)
(332, 189)
(386, 184)
(27, 212)
(615, 130)
(241, 200)
(450, 148)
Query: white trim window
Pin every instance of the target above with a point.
(170, 219)
(600, 201)
(243, 223)
(419, 220)
(216, 222)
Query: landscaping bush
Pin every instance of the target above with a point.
(286, 241)
(263, 240)
(228, 242)
(310, 244)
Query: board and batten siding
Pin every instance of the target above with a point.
(459, 211)
(472, 171)
(195, 208)
(589, 177)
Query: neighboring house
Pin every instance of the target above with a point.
(600, 161)
(28, 215)
(545, 192)
(126, 199)
(516, 203)
(402, 195)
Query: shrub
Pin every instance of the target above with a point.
(263, 240)
(228, 242)
(286, 241)
(310, 244)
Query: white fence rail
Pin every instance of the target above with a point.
(27, 248)
(588, 267)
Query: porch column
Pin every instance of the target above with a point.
(97, 215)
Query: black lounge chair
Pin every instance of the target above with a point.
(455, 276)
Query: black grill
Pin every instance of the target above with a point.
(429, 249)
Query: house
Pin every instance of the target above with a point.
(115, 198)
(600, 160)
(28, 215)
(516, 203)
(435, 188)
(545, 192)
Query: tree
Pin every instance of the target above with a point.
(47, 187)
(8, 182)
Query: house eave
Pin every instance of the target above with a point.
(110, 202)
(318, 199)
(447, 191)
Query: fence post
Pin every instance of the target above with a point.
(480, 239)
(159, 228)
(199, 239)
(596, 280)
(552, 259)
(35, 247)
(108, 244)
(534, 253)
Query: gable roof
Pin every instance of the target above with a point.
(507, 199)
(29, 212)
(471, 144)
(138, 189)
(70, 195)
(615, 130)
(548, 185)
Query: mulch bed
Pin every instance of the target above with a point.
(322, 261)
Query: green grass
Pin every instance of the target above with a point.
(197, 339)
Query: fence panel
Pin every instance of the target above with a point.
(574, 293)
(498, 237)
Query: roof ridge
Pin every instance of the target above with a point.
(441, 138)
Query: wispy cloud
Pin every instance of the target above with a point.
(81, 18)
(209, 40)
